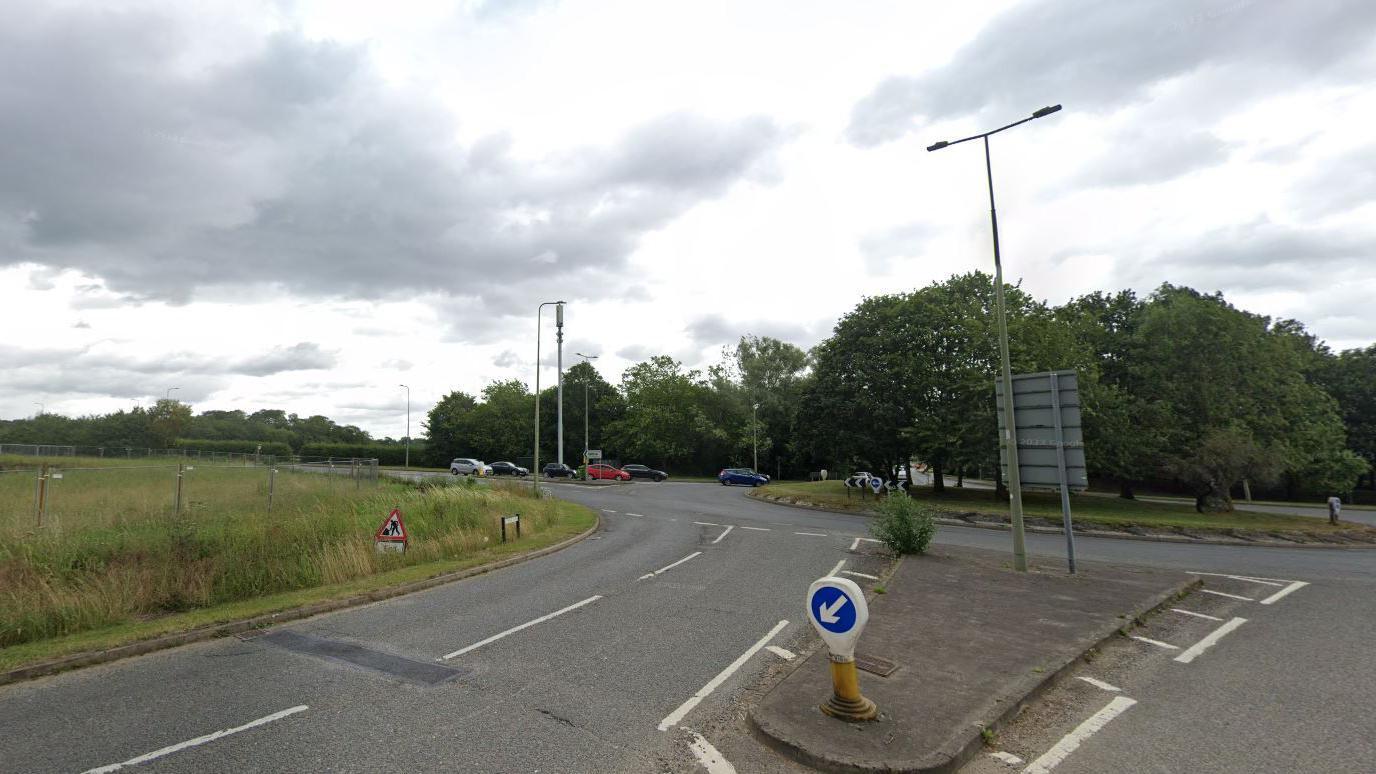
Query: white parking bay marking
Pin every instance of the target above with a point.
(866, 576)
(1192, 652)
(1100, 684)
(1006, 757)
(1225, 594)
(812, 534)
(1196, 615)
(637, 515)
(168, 750)
(1072, 741)
(525, 625)
(758, 529)
(707, 524)
(709, 757)
(1296, 586)
(674, 717)
(668, 567)
(1248, 578)
(1157, 643)
(835, 569)
(723, 534)
(783, 653)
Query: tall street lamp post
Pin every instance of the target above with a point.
(559, 371)
(168, 396)
(586, 359)
(755, 433)
(535, 472)
(408, 425)
(1009, 440)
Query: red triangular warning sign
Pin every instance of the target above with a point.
(392, 530)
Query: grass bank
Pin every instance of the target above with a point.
(1109, 512)
(133, 568)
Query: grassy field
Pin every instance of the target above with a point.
(112, 553)
(1109, 511)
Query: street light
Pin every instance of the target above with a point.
(1009, 440)
(586, 358)
(535, 472)
(168, 396)
(41, 408)
(755, 433)
(408, 426)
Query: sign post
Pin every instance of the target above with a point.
(516, 520)
(838, 611)
(391, 536)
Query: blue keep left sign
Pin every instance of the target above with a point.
(832, 609)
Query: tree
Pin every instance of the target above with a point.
(665, 422)
(167, 420)
(1223, 458)
(772, 374)
(446, 428)
(1350, 378)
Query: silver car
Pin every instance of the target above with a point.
(467, 466)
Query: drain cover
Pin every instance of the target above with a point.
(875, 665)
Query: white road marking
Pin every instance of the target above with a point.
(608, 510)
(168, 750)
(708, 756)
(1296, 586)
(637, 515)
(707, 523)
(1157, 643)
(1229, 596)
(674, 717)
(668, 567)
(1263, 581)
(758, 529)
(1100, 684)
(1192, 652)
(866, 576)
(1006, 757)
(783, 653)
(856, 543)
(812, 534)
(1196, 615)
(835, 569)
(1072, 741)
(723, 534)
(525, 625)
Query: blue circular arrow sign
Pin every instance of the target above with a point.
(832, 609)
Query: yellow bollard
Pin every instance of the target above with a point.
(846, 702)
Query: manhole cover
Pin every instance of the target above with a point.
(875, 665)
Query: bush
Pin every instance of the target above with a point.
(276, 448)
(904, 525)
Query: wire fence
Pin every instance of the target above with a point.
(134, 452)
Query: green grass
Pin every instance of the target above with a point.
(1112, 512)
(112, 552)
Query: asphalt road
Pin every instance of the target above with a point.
(573, 662)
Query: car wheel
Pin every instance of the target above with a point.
(660, 479)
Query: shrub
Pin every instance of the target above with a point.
(904, 525)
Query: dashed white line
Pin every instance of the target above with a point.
(866, 576)
(674, 717)
(1192, 652)
(608, 510)
(1226, 594)
(668, 567)
(1196, 615)
(812, 534)
(1006, 757)
(1157, 643)
(1072, 741)
(835, 569)
(637, 515)
(758, 529)
(707, 755)
(723, 534)
(707, 523)
(525, 625)
(1100, 684)
(1296, 586)
(783, 653)
(168, 750)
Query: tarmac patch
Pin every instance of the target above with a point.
(386, 663)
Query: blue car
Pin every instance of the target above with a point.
(745, 476)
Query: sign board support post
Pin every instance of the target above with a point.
(846, 701)
(511, 520)
(1060, 468)
(838, 611)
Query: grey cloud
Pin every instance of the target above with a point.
(1143, 157)
(298, 167)
(715, 329)
(506, 359)
(881, 248)
(398, 364)
(635, 352)
(1098, 56)
(1338, 184)
(298, 357)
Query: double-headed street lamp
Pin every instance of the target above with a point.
(586, 359)
(1009, 440)
(168, 396)
(408, 425)
(535, 467)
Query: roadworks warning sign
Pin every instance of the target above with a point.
(391, 536)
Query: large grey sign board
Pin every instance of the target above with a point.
(1035, 409)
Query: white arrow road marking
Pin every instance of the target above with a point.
(708, 756)
(525, 625)
(828, 612)
(1071, 741)
(197, 741)
(674, 717)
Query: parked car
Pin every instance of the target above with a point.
(467, 466)
(641, 471)
(607, 472)
(559, 470)
(508, 469)
(746, 476)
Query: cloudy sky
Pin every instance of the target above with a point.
(303, 205)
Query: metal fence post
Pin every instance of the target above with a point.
(272, 484)
(177, 500)
(41, 494)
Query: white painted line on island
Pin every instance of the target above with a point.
(1072, 741)
(866, 576)
(674, 717)
(1157, 643)
(835, 569)
(1225, 594)
(758, 529)
(812, 534)
(168, 750)
(525, 625)
(1192, 652)
(1006, 757)
(723, 534)
(1196, 615)
(709, 757)
(1100, 684)
(1296, 586)
(668, 567)
(783, 653)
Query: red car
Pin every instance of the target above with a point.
(608, 472)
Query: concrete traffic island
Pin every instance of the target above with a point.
(973, 641)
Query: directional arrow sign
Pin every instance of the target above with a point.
(838, 611)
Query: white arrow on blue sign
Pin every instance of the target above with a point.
(838, 611)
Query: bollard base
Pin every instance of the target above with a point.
(846, 702)
(850, 709)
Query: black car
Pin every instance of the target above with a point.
(507, 469)
(640, 471)
(558, 469)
